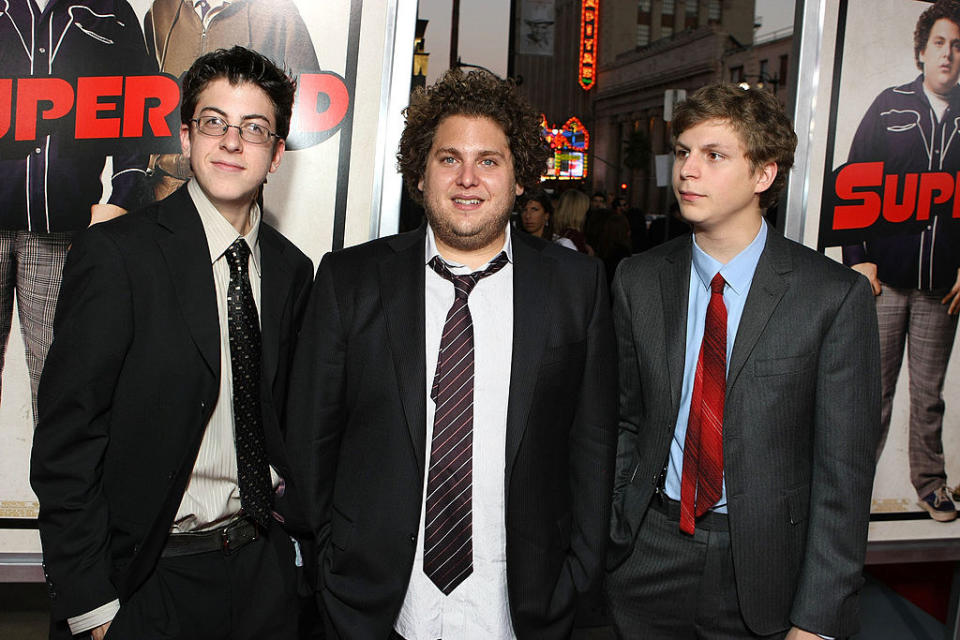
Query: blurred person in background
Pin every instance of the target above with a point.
(568, 221)
(535, 218)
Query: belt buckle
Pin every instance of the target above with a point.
(226, 545)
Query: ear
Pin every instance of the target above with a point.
(519, 189)
(185, 140)
(420, 185)
(278, 150)
(765, 177)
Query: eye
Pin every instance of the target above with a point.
(447, 160)
(255, 128)
(681, 153)
(488, 162)
(713, 155)
(213, 121)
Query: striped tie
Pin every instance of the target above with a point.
(702, 480)
(448, 523)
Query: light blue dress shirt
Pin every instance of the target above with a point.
(739, 275)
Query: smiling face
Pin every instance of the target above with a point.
(941, 57)
(534, 218)
(715, 183)
(469, 186)
(229, 169)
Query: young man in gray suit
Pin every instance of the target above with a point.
(749, 403)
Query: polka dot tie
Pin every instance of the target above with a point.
(253, 471)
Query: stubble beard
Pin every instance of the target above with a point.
(467, 239)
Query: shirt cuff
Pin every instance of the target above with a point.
(93, 619)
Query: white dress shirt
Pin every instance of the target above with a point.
(479, 606)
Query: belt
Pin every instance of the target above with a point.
(710, 521)
(226, 539)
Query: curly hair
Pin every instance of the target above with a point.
(237, 65)
(756, 116)
(476, 94)
(949, 9)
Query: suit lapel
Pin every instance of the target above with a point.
(401, 290)
(765, 294)
(674, 296)
(185, 251)
(275, 279)
(531, 290)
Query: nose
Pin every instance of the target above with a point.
(468, 175)
(688, 167)
(231, 140)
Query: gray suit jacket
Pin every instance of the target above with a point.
(801, 423)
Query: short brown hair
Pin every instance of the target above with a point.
(477, 94)
(756, 116)
(949, 9)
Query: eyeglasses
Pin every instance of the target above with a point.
(216, 127)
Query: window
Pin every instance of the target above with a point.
(644, 6)
(643, 35)
(764, 71)
(668, 6)
(692, 10)
(736, 74)
(666, 31)
(713, 11)
(784, 68)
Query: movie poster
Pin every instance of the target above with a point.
(882, 195)
(89, 128)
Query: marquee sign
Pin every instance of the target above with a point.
(589, 15)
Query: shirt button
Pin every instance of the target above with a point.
(42, 50)
(37, 150)
(413, 538)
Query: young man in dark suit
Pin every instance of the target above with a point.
(158, 455)
(453, 397)
(749, 403)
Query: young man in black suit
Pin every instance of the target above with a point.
(158, 457)
(749, 403)
(453, 397)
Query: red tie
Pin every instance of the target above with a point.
(702, 480)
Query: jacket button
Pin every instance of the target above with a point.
(413, 538)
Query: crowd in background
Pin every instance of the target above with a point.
(600, 226)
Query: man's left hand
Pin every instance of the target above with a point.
(953, 297)
(800, 634)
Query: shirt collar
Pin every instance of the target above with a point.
(739, 271)
(431, 249)
(220, 233)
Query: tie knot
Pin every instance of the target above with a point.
(463, 285)
(717, 284)
(237, 255)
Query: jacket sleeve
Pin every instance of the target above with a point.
(845, 434)
(315, 406)
(592, 447)
(92, 331)
(867, 146)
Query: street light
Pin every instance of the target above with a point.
(763, 79)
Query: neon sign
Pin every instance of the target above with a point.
(569, 144)
(589, 14)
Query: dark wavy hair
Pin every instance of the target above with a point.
(477, 94)
(237, 65)
(756, 116)
(949, 9)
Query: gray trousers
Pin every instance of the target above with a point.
(916, 319)
(677, 587)
(31, 264)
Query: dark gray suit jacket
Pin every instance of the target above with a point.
(357, 431)
(801, 423)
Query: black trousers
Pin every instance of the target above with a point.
(250, 593)
(678, 587)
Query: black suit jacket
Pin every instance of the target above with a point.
(357, 431)
(801, 423)
(129, 384)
